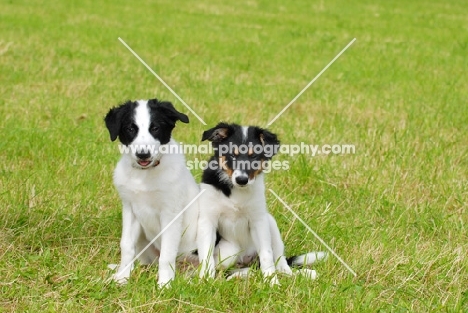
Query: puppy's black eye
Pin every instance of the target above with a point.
(130, 128)
(154, 129)
(253, 156)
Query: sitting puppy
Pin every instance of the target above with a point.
(234, 203)
(154, 187)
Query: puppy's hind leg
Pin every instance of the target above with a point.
(226, 254)
(241, 273)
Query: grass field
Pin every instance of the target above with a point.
(395, 210)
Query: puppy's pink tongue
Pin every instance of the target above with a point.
(144, 163)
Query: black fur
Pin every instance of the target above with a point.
(121, 118)
(211, 176)
(291, 260)
(219, 132)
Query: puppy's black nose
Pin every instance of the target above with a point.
(242, 180)
(143, 155)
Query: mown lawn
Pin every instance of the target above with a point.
(395, 210)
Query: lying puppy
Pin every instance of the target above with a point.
(154, 187)
(234, 204)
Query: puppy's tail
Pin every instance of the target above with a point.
(307, 259)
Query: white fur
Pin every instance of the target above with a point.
(152, 196)
(245, 130)
(245, 226)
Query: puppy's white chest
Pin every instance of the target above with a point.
(147, 212)
(234, 212)
(234, 227)
(234, 220)
(135, 181)
(142, 192)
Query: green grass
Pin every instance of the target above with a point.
(395, 211)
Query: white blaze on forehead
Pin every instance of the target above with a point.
(143, 120)
(245, 130)
(144, 141)
(142, 115)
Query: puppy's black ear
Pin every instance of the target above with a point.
(168, 110)
(113, 121)
(267, 138)
(217, 133)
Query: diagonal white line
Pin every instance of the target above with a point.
(161, 80)
(314, 233)
(162, 231)
(311, 82)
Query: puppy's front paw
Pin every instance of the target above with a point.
(273, 280)
(164, 284)
(207, 271)
(164, 281)
(122, 275)
(120, 279)
(284, 268)
(270, 271)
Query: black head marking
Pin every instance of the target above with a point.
(219, 133)
(122, 117)
(163, 119)
(213, 175)
(167, 109)
(269, 141)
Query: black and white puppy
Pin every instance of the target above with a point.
(154, 187)
(234, 204)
